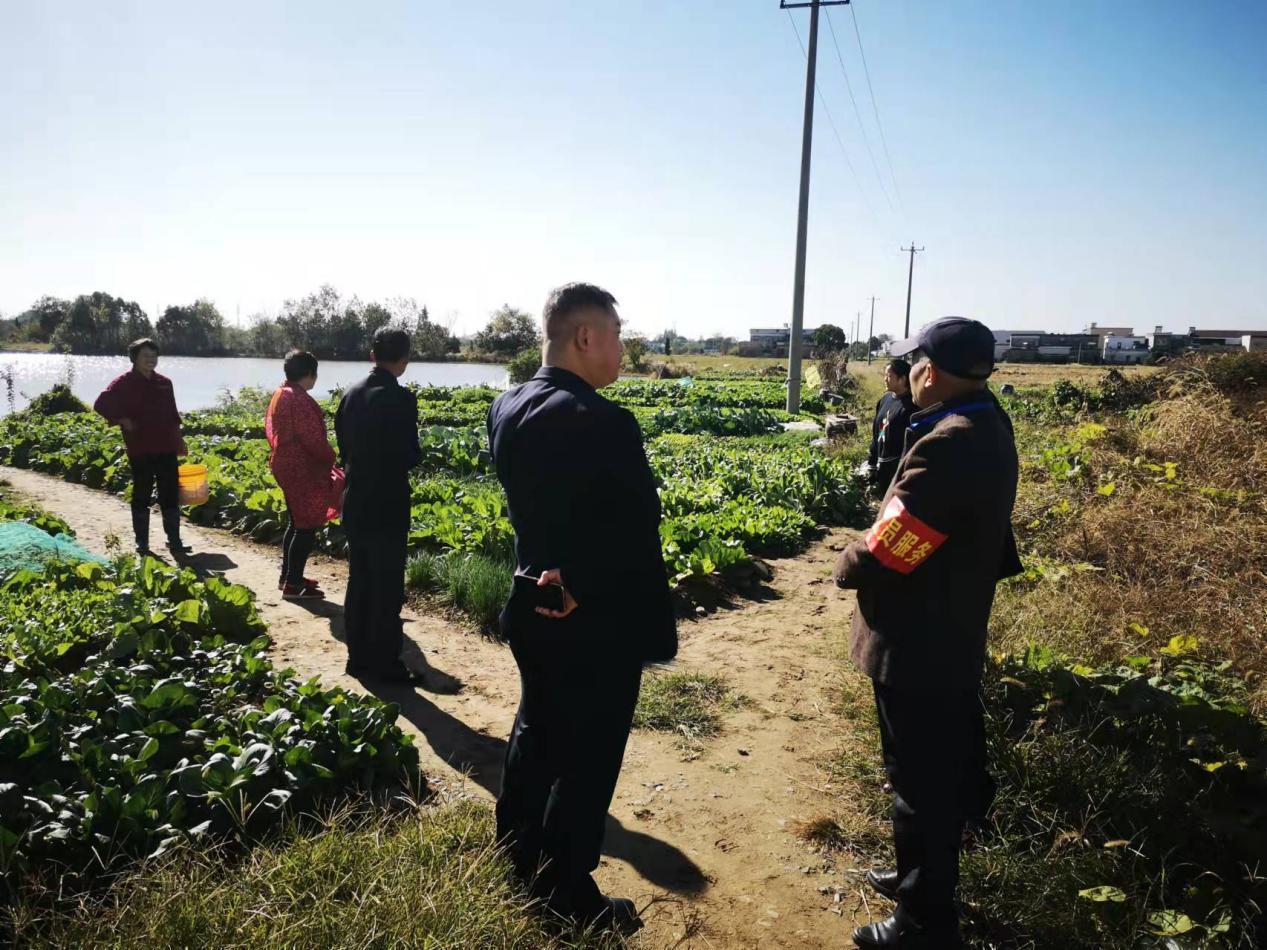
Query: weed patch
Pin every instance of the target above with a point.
(689, 704)
(474, 584)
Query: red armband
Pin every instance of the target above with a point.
(901, 541)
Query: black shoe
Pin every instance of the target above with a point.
(141, 530)
(614, 914)
(892, 934)
(883, 882)
(400, 674)
(302, 592)
(171, 528)
(620, 917)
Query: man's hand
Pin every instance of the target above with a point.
(127, 425)
(555, 576)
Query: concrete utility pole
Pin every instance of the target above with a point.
(871, 332)
(857, 325)
(802, 220)
(909, 277)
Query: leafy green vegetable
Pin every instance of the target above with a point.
(138, 707)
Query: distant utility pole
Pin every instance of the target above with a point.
(857, 325)
(802, 220)
(871, 332)
(909, 277)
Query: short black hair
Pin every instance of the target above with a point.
(144, 343)
(900, 368)
(299, 365)
(567, 301)
(391, 345)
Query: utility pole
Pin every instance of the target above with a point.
(909, 277)
(802, 220)
(857, 325)
(871, 332)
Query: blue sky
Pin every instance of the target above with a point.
(1062, 163)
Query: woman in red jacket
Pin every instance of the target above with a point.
(303, 464)
(143, 405)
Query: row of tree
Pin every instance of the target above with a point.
(330, 326)
(325, 323)
(829, 338)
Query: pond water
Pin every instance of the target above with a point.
(199, 381)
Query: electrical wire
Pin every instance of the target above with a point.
(874, 108)
(866, 140)
(836, 132)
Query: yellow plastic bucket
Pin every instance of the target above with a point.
(193, 484)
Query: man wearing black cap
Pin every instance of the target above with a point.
(925, 575)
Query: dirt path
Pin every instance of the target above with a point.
(707, 840)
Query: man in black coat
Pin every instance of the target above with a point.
(590, 605)
(376, 426)
(925, 575)
(888, 430)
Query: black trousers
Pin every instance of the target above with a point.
(149, 470)
(934, 754)
(564, 756)
(375, 595)
(884, 473)
(297, 544)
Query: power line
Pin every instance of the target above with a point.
(835, 132)
(874, 108)
(866, 140)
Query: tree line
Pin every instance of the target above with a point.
(330, 326)
(325, 323)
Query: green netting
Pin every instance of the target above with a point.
(24, 546)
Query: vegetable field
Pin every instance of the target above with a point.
(734, 487)
(138, 710)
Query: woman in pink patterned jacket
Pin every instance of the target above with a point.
(303, 464)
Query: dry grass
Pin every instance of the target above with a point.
(1219, 441)
(1047, 374)
(429, 879)
(858, 823)
(715, 363)
(1178, 546)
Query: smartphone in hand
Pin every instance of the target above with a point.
(550, 596)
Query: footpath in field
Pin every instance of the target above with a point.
(703, 837)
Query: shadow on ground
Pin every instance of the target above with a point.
(480, 756)
(207, 564)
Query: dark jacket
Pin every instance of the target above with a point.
(151, 405)
(582, 499)
(926, 570)
(888, 433)
(376, 426)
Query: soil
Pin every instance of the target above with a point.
(703, 837)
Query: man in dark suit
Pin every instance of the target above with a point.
(377, 430)
(586, 515)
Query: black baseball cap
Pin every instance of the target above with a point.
(956, 344)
